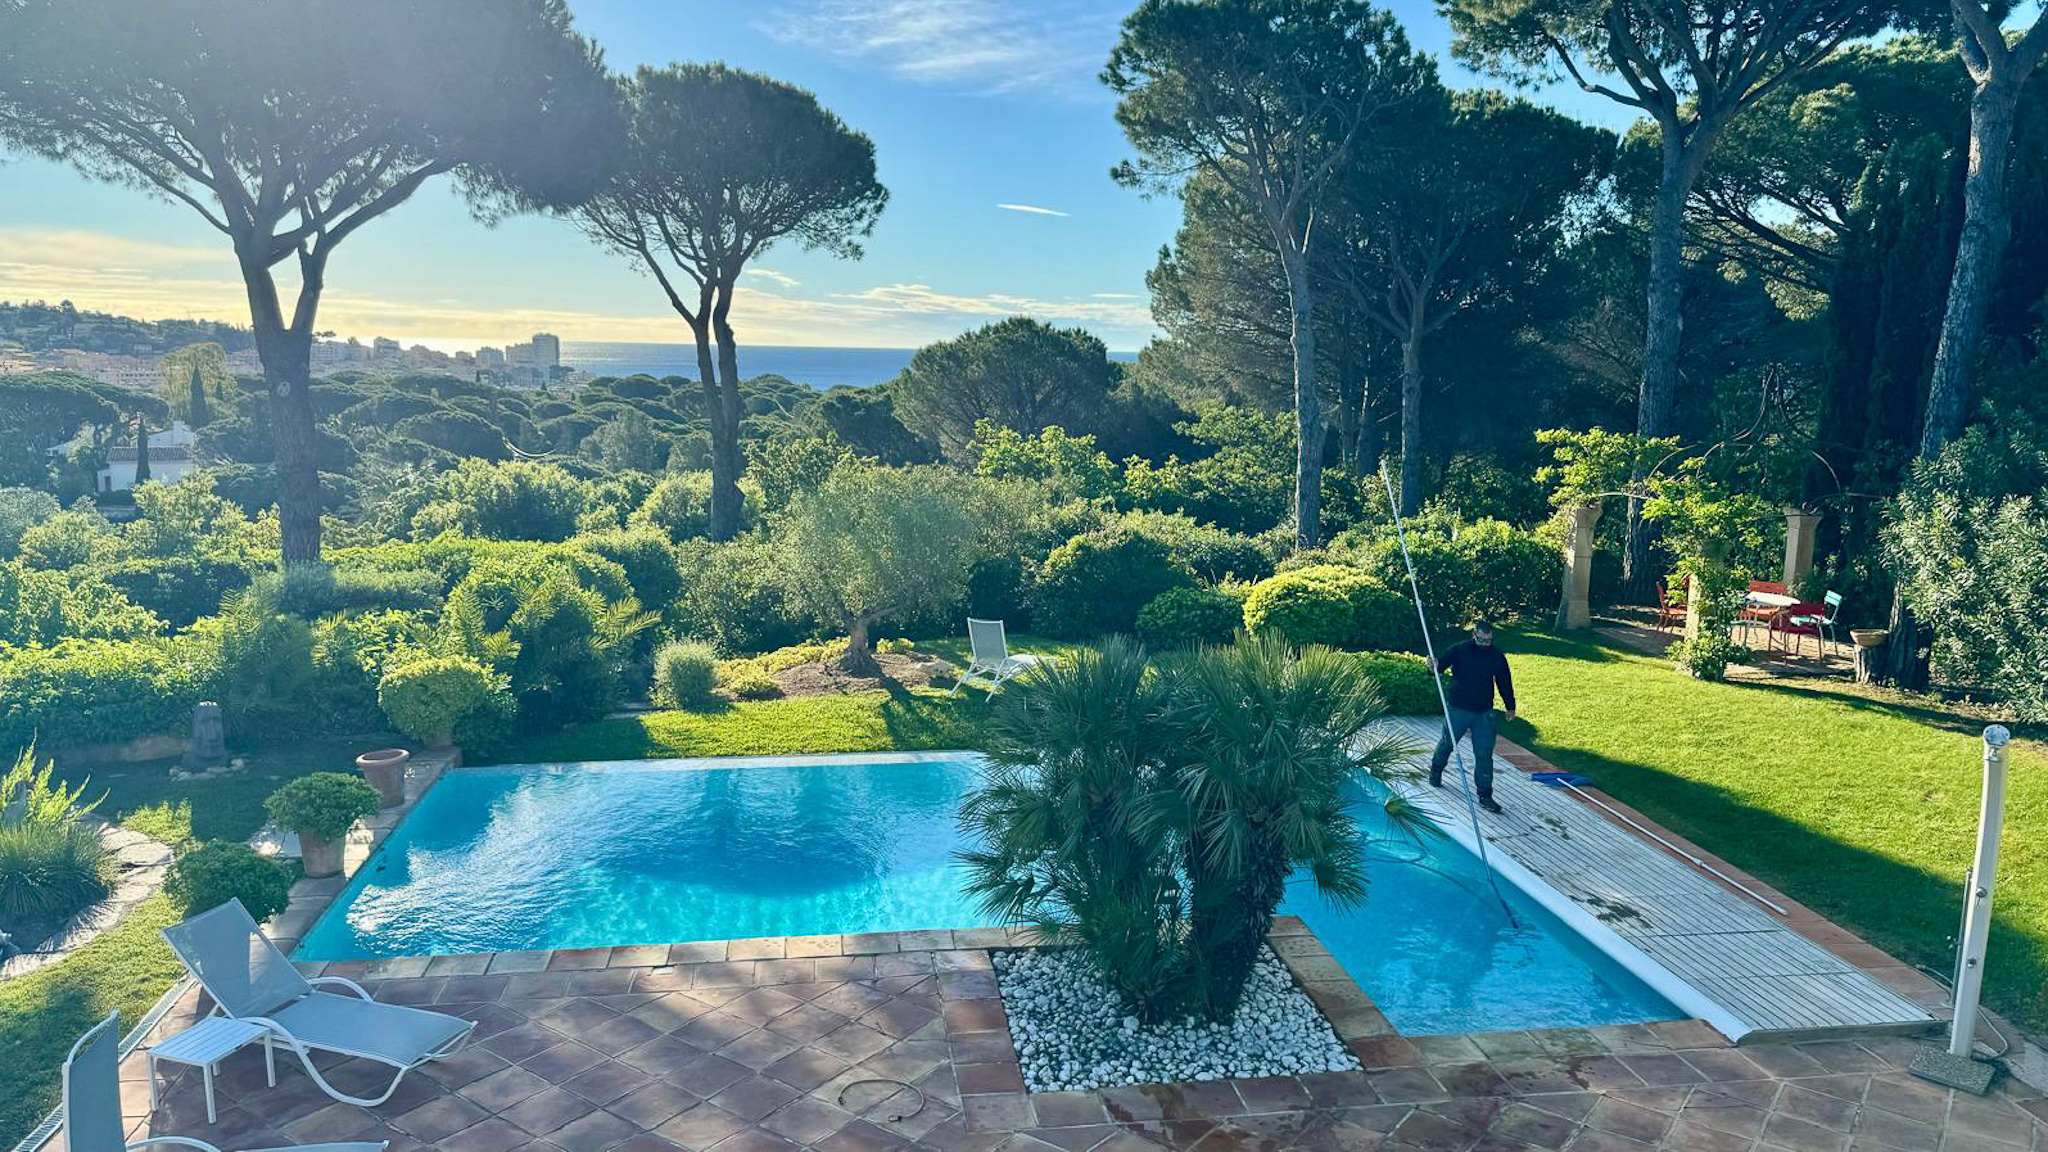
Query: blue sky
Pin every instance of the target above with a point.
(974, 105)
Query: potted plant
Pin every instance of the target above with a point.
(426, 699)
(385, 770)
(321, 808)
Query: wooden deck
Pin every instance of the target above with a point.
(1747, 972)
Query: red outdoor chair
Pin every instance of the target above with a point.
(1669, 611)
(1787, 625)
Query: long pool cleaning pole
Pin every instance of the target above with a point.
(1437, 677)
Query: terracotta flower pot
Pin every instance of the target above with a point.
(322, 857)
(385, 770)
(1869, 637)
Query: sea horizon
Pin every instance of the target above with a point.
(819, 366)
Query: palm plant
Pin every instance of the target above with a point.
(1075, 751)
(1267, 745)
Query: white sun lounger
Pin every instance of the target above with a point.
(249, 979)
(992, 663)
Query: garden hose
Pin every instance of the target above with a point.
(894, 1118)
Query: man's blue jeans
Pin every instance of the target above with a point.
(1480, 724)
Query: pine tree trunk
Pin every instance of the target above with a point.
(1411, 418)
(1308, 403)
(1952, 386)
(1986, 228)
(1665, 323)
(287, 358)
(725, 436)
(725, 492)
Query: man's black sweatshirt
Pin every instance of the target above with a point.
(1474, 670)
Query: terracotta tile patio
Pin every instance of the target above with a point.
(870, 1043)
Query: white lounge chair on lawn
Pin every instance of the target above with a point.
(992, 663)
(92, 1101)
(249, 979)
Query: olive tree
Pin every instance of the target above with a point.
(873, 541)
(287, 125)
(1270, 98)
(719, 165)
(1692, 67)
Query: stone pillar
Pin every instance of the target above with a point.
(1574, 608)
(1715, 553)
(1799, 527)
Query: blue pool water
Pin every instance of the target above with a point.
(652, 852)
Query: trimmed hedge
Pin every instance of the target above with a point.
(1179, 617)
(211, 874)
(180, 589)
(1333, 605)
(92, 691)
(1405, 682)
(1096, 582)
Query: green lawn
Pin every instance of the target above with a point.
(1863, 808)
(864, 722)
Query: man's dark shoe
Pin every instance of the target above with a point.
(1435, 781)
(1487, 803)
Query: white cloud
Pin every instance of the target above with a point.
(1033, 209)
(103, 272)
(987, 46)
(782, 278)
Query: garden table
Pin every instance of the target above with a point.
(206, 1044)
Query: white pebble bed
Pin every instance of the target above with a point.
(1072, 1033)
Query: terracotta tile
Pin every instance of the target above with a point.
(806, 1068)
(439, 1118)
(759, 1048)
(598, 1129)
(618, 1035)
(807, 1120)
(785, 971)
(975, 1016)
(999, 1112)
(1664, 1068)
(567, 959)
(974, 1079)
(861, 1136)
(1069, 1109)
(1387, 1052)
(700, 1128)
(1624, 1119)
(502, 1089)
(651, 1104)
(800, 946)
(1724, 1064)
(852, 1042)
(1341, 1089)
(545, 1112)
(754, 1097)
(731, 973)
(663, 1056)
(1477, 1079)
(709, 1075)
(606, 1082)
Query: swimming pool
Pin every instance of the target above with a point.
(652, 852)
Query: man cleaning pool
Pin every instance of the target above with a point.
(1475, 666)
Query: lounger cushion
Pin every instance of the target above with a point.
(391, 1033)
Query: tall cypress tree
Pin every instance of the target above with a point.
(196, 413)
(141, 448)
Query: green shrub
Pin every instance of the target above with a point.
(1330, 604)
(90, 691)
(510, 500)
(649, 562)
(685, 672)
(751, 682)
(323, 804)
(426, 699)
(1406, 686)
(20, 510)
(999, 588)
(180, 589)
(52, 863)
(312, 590)
(680, 506)
(71, 538)
(733, 596)
(211, 874)
(1484, 570)
(38, 608)
(1179, 617)
(260, 668)
(1211, 553)
(1096, 582)
(48, 873)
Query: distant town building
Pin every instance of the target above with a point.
(547, 349)
(171, 455)
(490, 357)
(383, 347)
